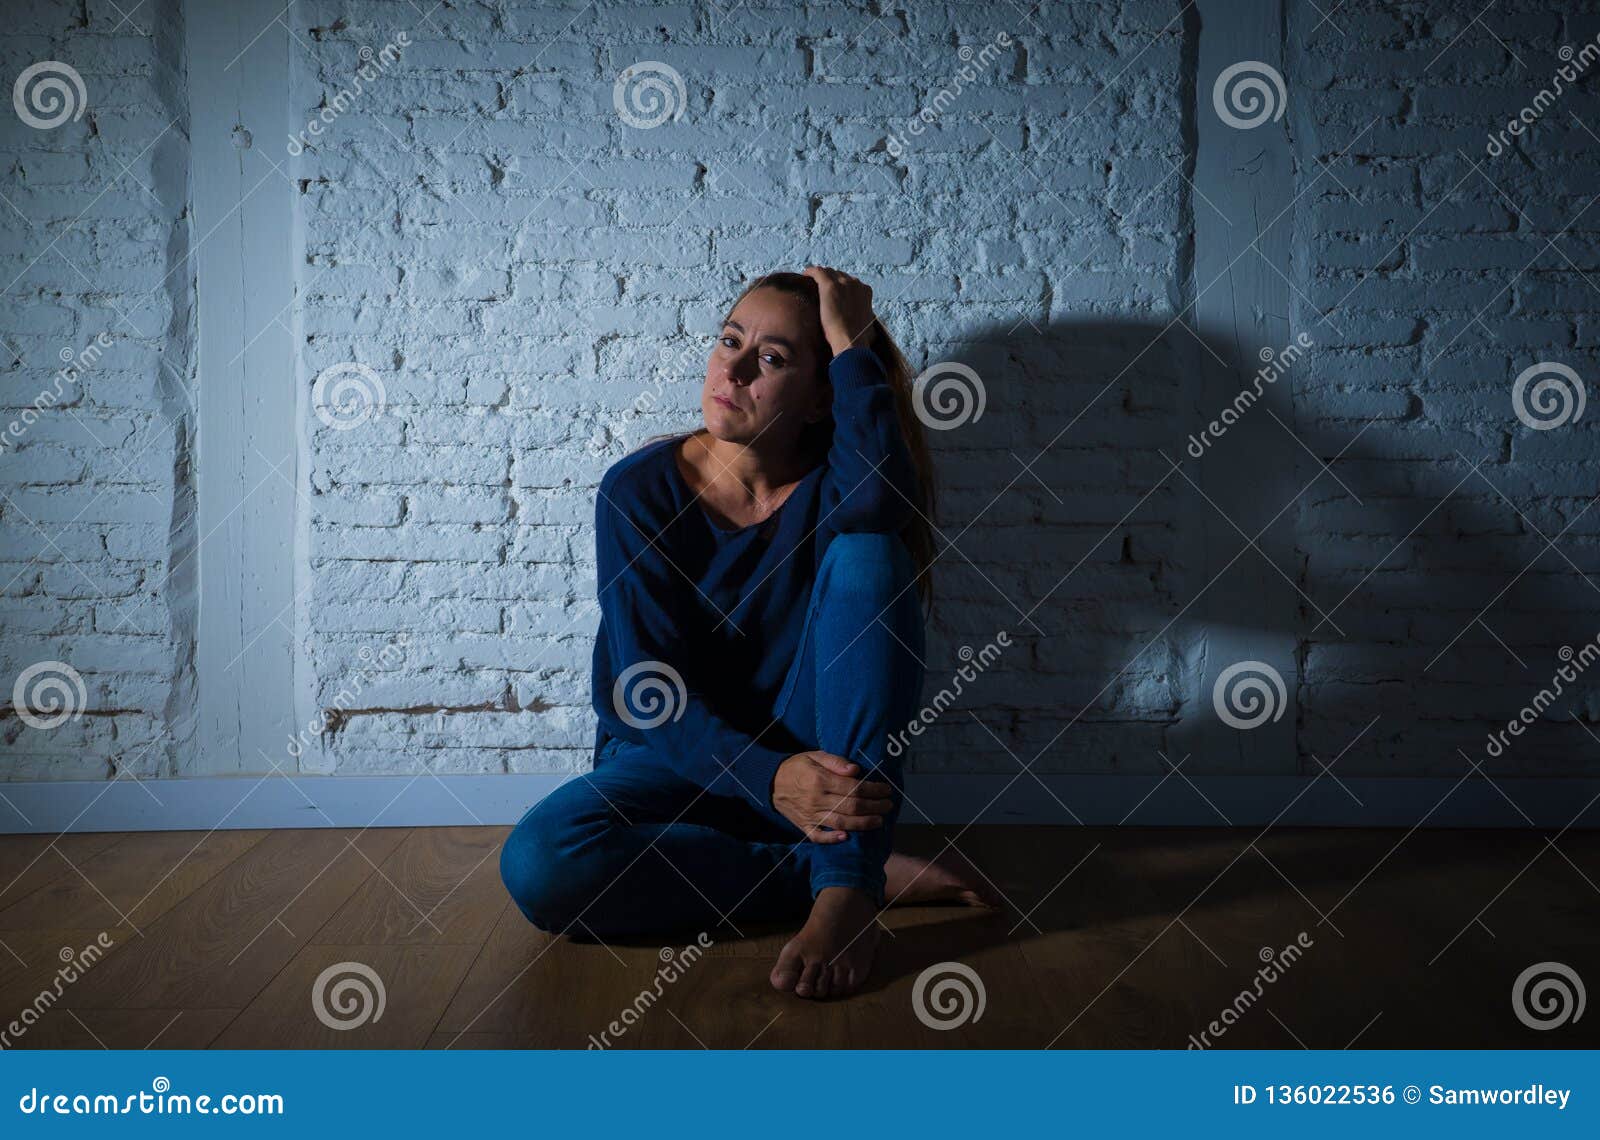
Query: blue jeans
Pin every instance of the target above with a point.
(633, 848)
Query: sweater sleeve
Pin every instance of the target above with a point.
(871, 483)
(656, 691)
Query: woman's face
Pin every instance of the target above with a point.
(764, 378)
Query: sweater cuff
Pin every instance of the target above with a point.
(856, 367)
(755, 770)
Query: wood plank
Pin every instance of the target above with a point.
(560, 994)
(441, 886)
(128, 1029)
(1114, 970)
(1523, 892)
(549, 992)
(219, 947)
(1252, 928)
(1098, 950)
(447, 1040)
(416, 983)
(1002, 992)
(32, 962)
(133, 882)
(489, 994)
(728, 1003)
(26, 863)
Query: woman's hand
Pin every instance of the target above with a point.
(824, 796)
(846, 307)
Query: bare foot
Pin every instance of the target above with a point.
(912, 879)
(832, 954)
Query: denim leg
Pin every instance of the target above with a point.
(858, 679)
(632, 848)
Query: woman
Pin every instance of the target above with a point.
(760, 639)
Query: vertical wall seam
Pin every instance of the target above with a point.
(175, 379)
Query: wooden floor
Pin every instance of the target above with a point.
(1116, 938)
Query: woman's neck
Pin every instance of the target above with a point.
(744, 471)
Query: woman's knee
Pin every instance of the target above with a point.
(869, 562)
(537, 862)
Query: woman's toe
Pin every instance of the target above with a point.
(807, 985)
(786, 973)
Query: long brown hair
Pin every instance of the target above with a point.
(816, 438)
(820, 436)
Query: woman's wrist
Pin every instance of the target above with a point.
(839, 345)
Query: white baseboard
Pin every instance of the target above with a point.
(1094, 800)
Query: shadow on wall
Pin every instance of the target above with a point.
(1410, 604)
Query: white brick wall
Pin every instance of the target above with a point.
(523, 271)
(95, 526)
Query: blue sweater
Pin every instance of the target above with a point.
(724, 609)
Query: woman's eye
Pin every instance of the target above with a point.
(727, 342)
(773, 359)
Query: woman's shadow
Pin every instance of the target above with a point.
(1143, 508)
